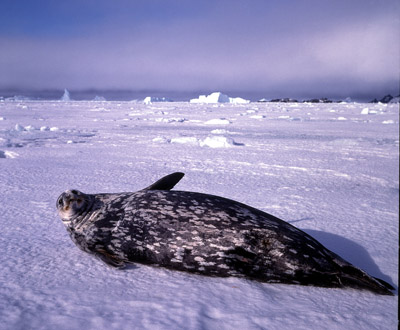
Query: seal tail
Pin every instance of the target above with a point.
(356, 278)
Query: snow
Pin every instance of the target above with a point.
(217, 121)
(336, 179)
(218, 97)
(8, 154)
(209, 141)
(218, 142)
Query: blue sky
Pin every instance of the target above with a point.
(291, 48)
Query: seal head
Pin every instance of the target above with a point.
(71, 204)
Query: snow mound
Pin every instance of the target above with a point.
(218, 141)
(214, 141)
(257, 116)
(218, 121)
(8, 154)
(151, 99)
(219, 131)
(28, 128)
(186, 140)
(368, 111)
(218, 97)
(171, 120)
(19, 128)
(161, 139)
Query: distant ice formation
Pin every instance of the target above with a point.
(218, 97)
(99, 98)
(66, 96)
(387, 99)
(151, 99)
(18, 98)
(282, 100)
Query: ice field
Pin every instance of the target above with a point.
(331, 170)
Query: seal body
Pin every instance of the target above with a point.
(203, 234)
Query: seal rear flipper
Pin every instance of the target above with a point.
(109, 259)
(356, 278)
(167, 182)
(384, 283)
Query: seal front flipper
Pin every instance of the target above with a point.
(109, 259)
(166, 182)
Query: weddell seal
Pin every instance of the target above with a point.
(203, 234)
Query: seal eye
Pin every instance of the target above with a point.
(60, 202)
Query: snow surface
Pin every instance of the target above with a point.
(336, 179)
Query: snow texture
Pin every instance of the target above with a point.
(329, 169)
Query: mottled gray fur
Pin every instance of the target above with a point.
(203, 234)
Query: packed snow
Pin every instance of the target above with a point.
(329, 169)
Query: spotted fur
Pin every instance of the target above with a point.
(203, 234)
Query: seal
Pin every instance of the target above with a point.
(203, 234)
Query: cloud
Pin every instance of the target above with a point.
(235, 47)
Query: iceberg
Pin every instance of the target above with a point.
(18, 98)
(66, 96)
(218, 97)
(151, 99)
(238, 100)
